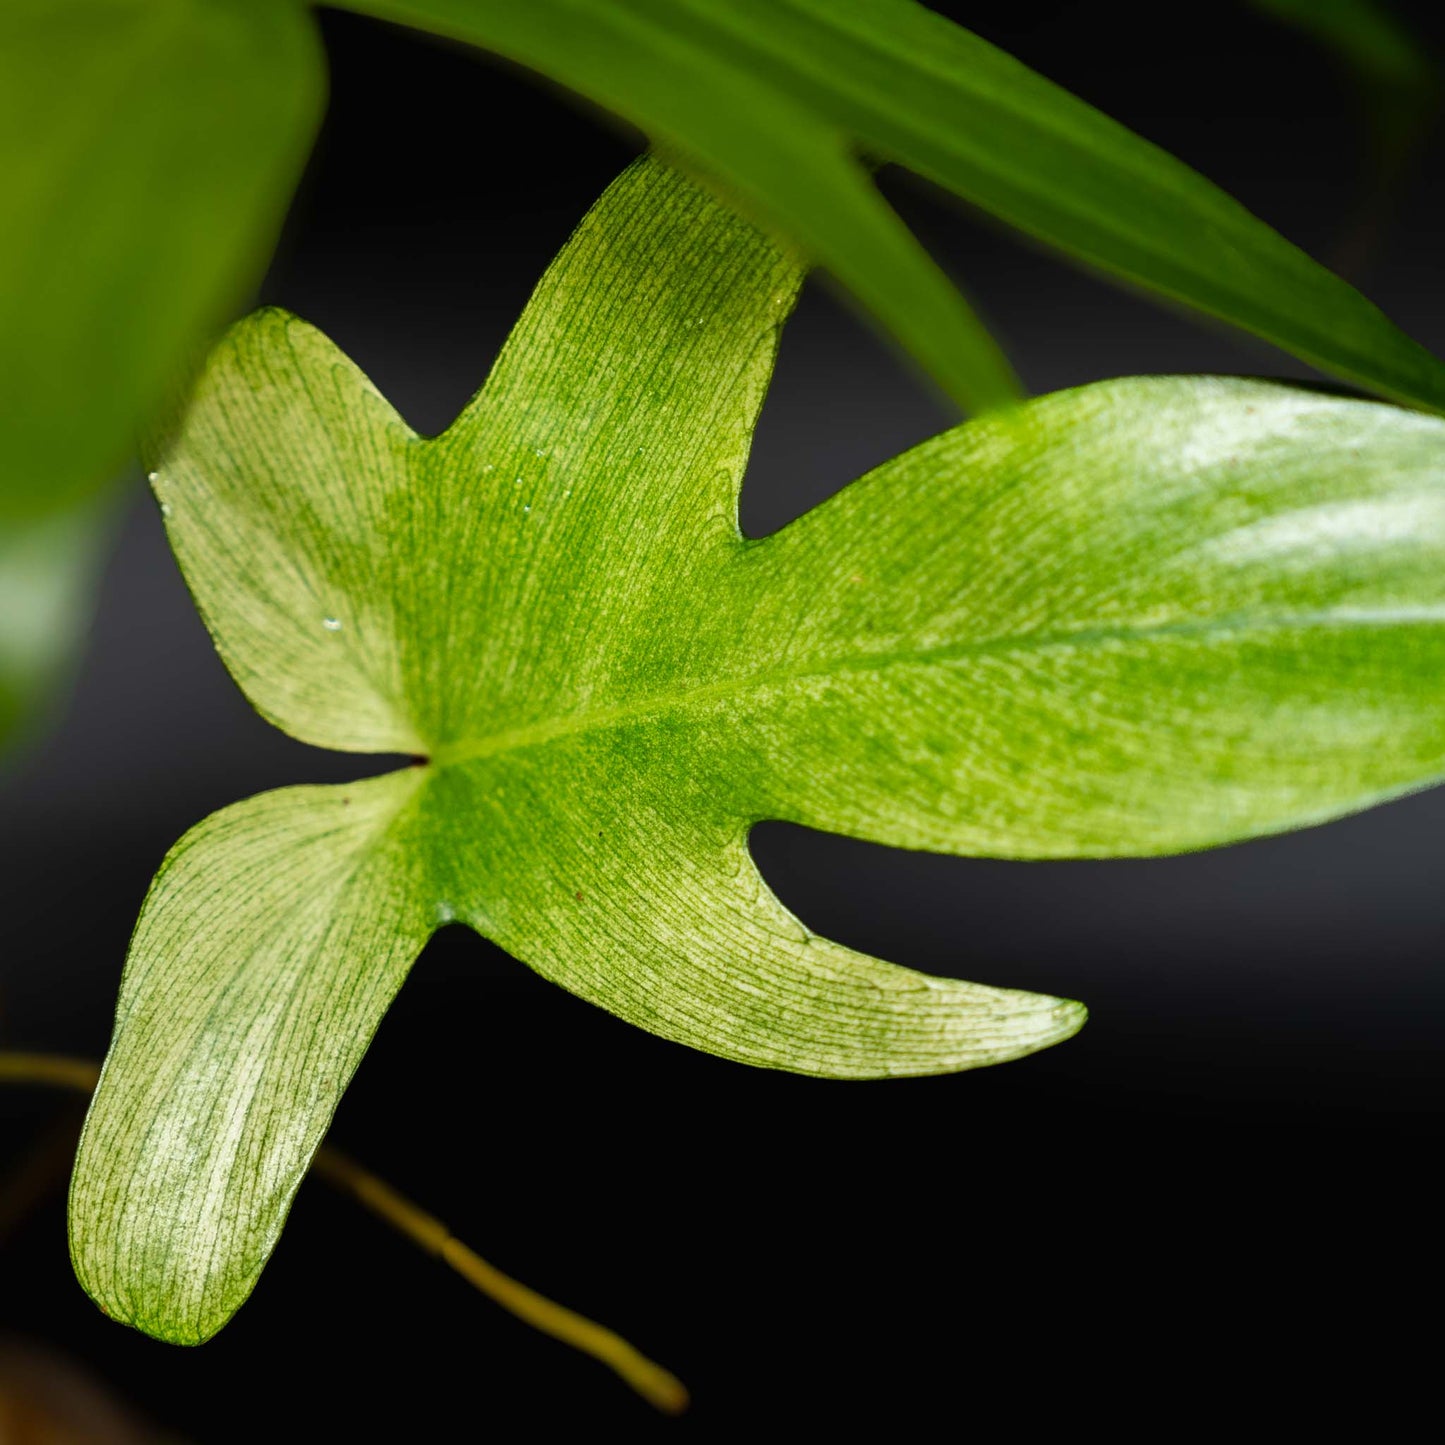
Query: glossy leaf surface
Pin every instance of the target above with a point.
(1142, 616)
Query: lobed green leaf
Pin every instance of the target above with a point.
(1140, 616)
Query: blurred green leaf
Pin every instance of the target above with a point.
(48, 567)
(1398, 79)
(148, 149)
(1141, 616)
(769, 97)
(1370, 38)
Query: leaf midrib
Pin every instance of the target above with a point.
(531, 735)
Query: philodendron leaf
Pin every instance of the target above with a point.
(148, 149)
(1143, 616)
(770, 97)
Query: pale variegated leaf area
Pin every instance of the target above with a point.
(1143, 616)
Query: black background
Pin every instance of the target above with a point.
(1216, 1199)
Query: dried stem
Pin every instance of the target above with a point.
(650, 1380)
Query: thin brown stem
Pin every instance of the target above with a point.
(54, 1070)
(650, 1380)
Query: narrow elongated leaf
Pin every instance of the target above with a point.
(148, 149)
(1140, 616)
(773, 155)
(762, 94)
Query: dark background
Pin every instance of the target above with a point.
(1220, 1187)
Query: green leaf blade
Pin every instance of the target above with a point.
(278, 931)
(272, 941)
(589, 857)
(762, 95)
(922, 91)
(286, 557)
(1145, 616)
(622, 462)
(778, 161)
(149, 149)
(580, 428)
